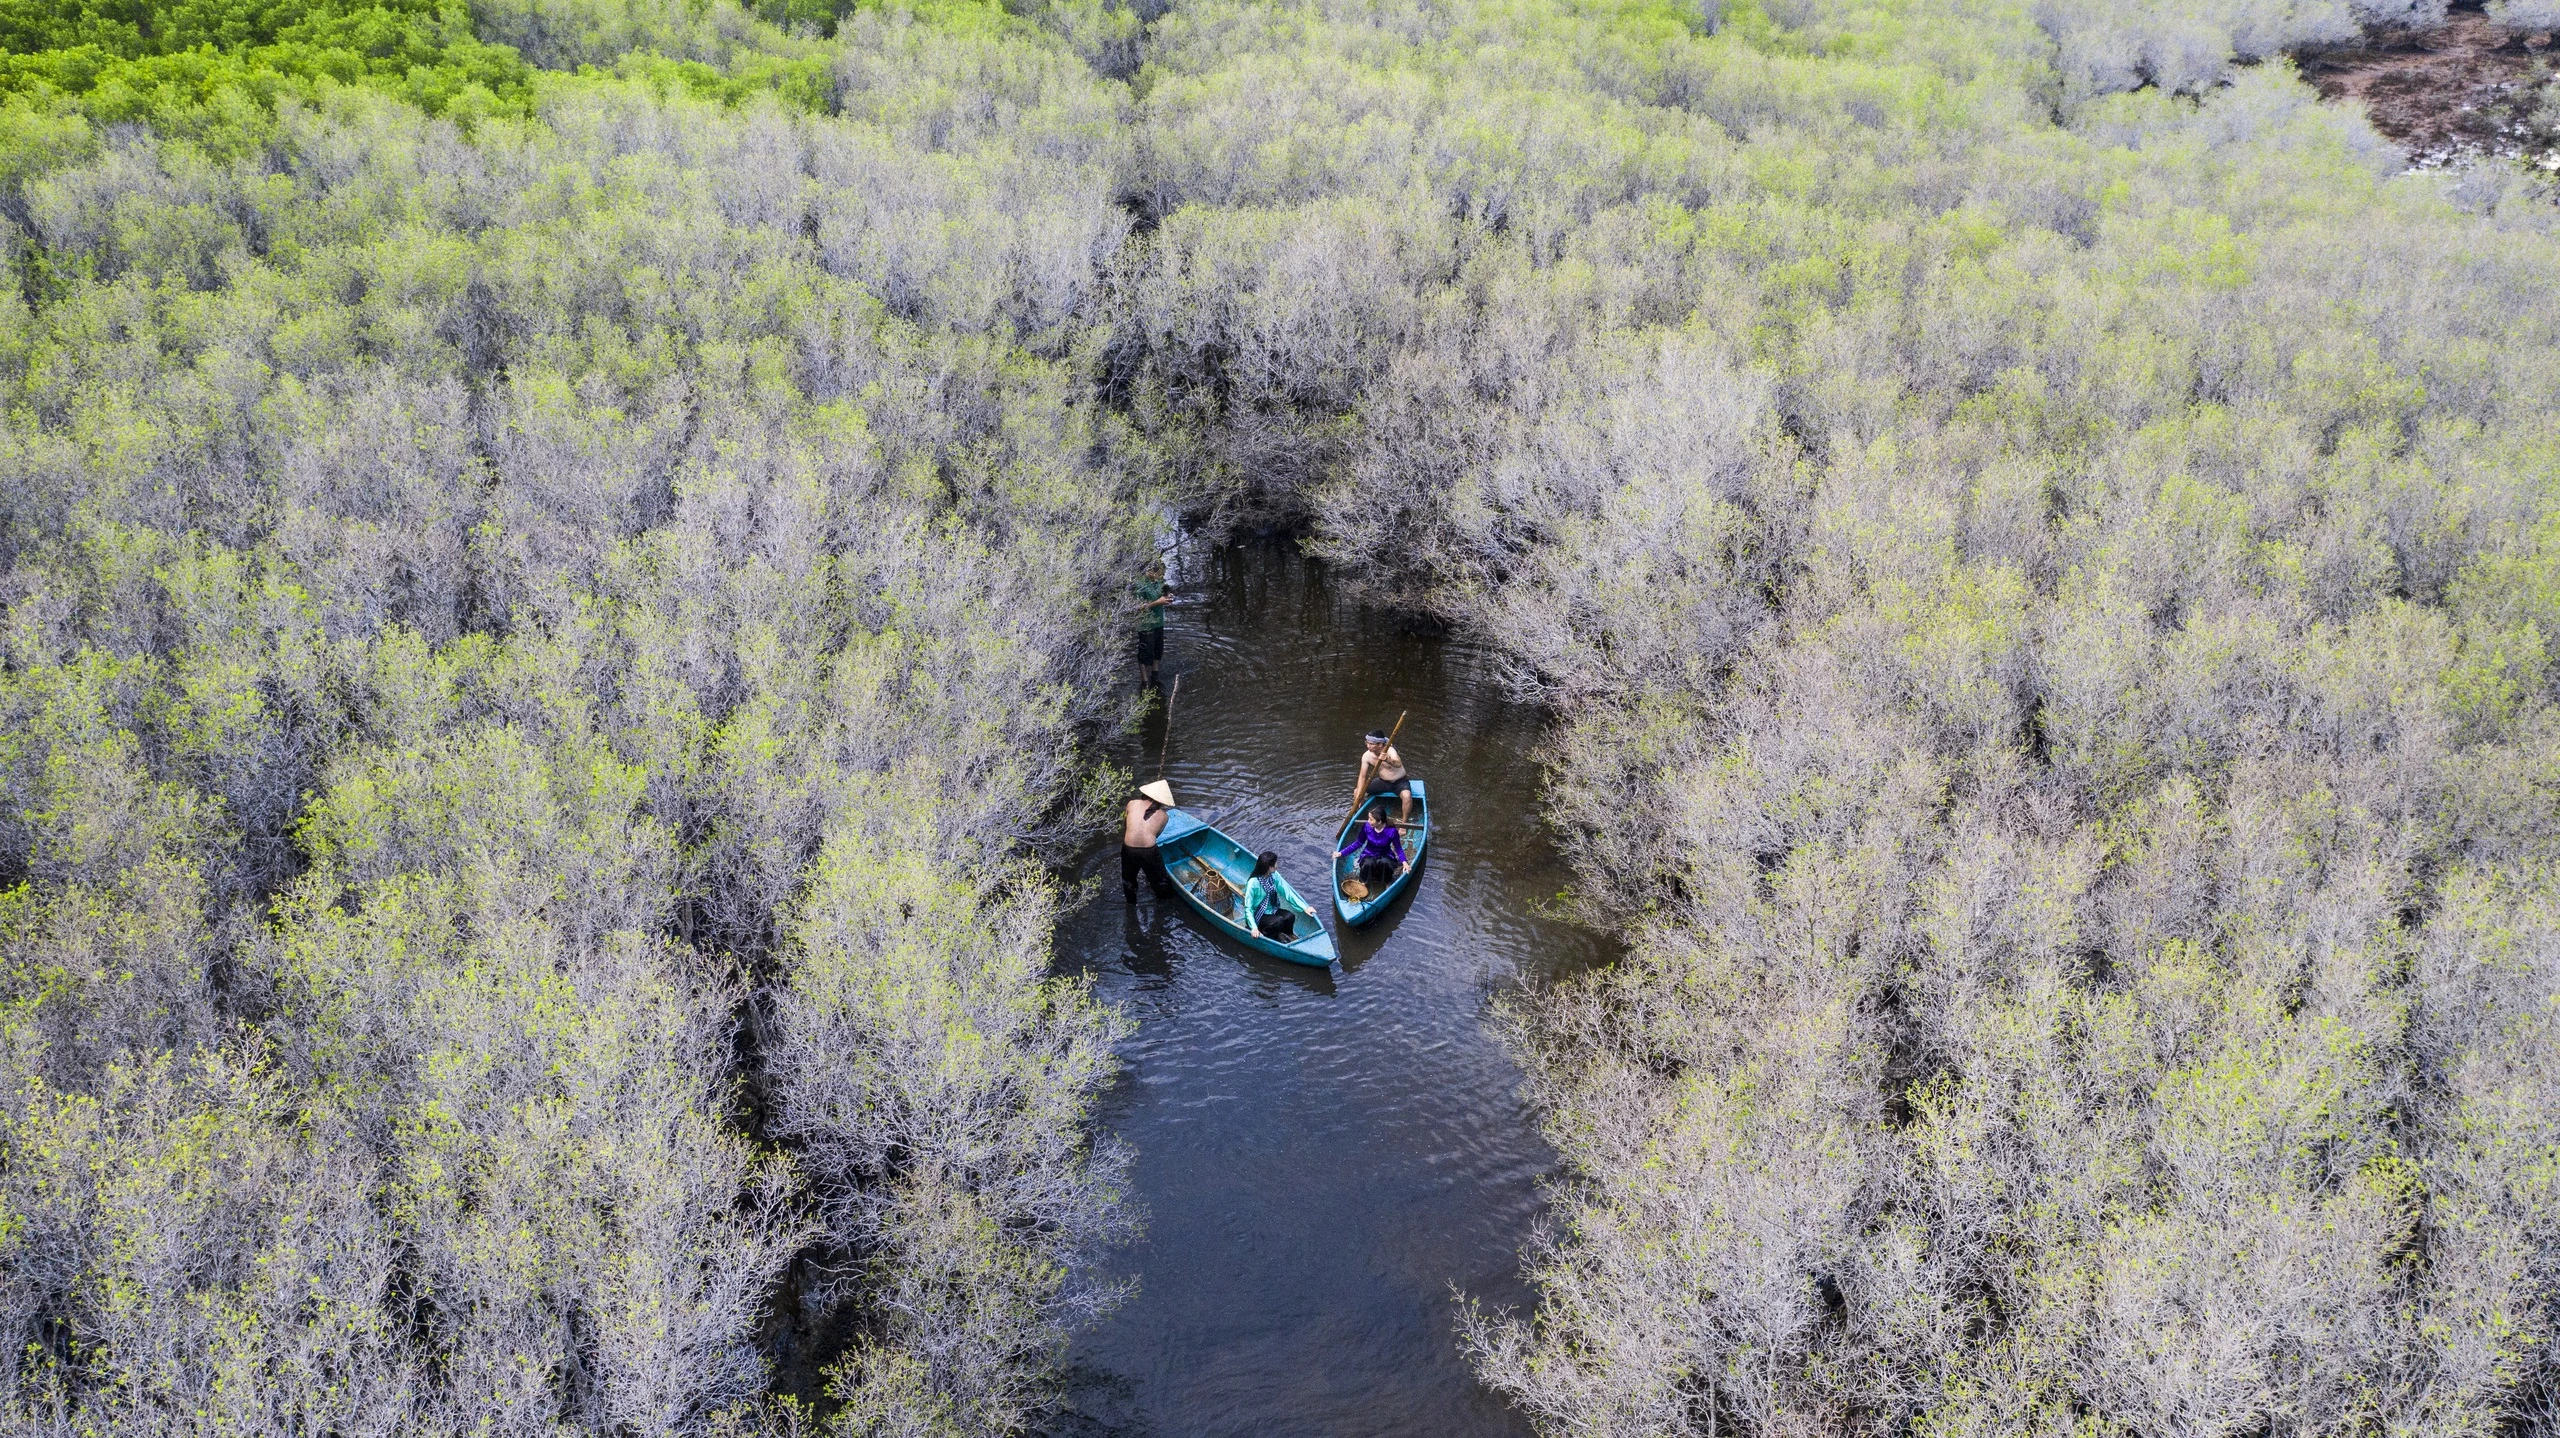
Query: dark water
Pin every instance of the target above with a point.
(1323, 1155)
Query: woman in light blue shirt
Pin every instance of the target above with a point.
(1265, 906)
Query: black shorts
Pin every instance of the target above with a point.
(1401, 788)
(1148, 861)
(1150, 645)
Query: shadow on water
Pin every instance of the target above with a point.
(1323, 1155)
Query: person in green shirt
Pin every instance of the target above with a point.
(1266, 904)
(1152, 600)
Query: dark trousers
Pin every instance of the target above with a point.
(1277, 924)
(1150, 861)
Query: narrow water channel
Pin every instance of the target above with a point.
(1324, 1156)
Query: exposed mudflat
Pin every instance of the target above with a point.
(2463, 89)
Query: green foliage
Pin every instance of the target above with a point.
(543, 541)
(212, 72)
(2041, 578)
(463, 581)
(963, 1113)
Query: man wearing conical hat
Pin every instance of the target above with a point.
(1141, 820)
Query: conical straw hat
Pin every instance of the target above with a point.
(1160, 791)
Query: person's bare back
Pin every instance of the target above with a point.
(1141, 820)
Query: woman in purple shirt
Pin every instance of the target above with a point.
(1377, 848)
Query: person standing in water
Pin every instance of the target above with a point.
(1152, 600)
(1382, 772)
(1142, 822)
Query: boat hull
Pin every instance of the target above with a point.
(1355, 912)
(1210, 870)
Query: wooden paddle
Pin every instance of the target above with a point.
(1363, 796)
(1167, 746)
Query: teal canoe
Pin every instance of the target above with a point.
(1211, 868)
(1356, 912)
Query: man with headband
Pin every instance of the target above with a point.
(1382, 772)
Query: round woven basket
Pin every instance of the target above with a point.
(1354, 890)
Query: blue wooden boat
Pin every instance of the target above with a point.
(1356, 912)
(1211, 868)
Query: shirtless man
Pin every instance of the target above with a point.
(1142, 819)
(1382, 772)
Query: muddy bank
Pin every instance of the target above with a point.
(2467, 88)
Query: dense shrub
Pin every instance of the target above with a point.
(474, 585)
(2042, 587)
(559, 565)
(2526, 14)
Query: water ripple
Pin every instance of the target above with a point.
(1323, 1155)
